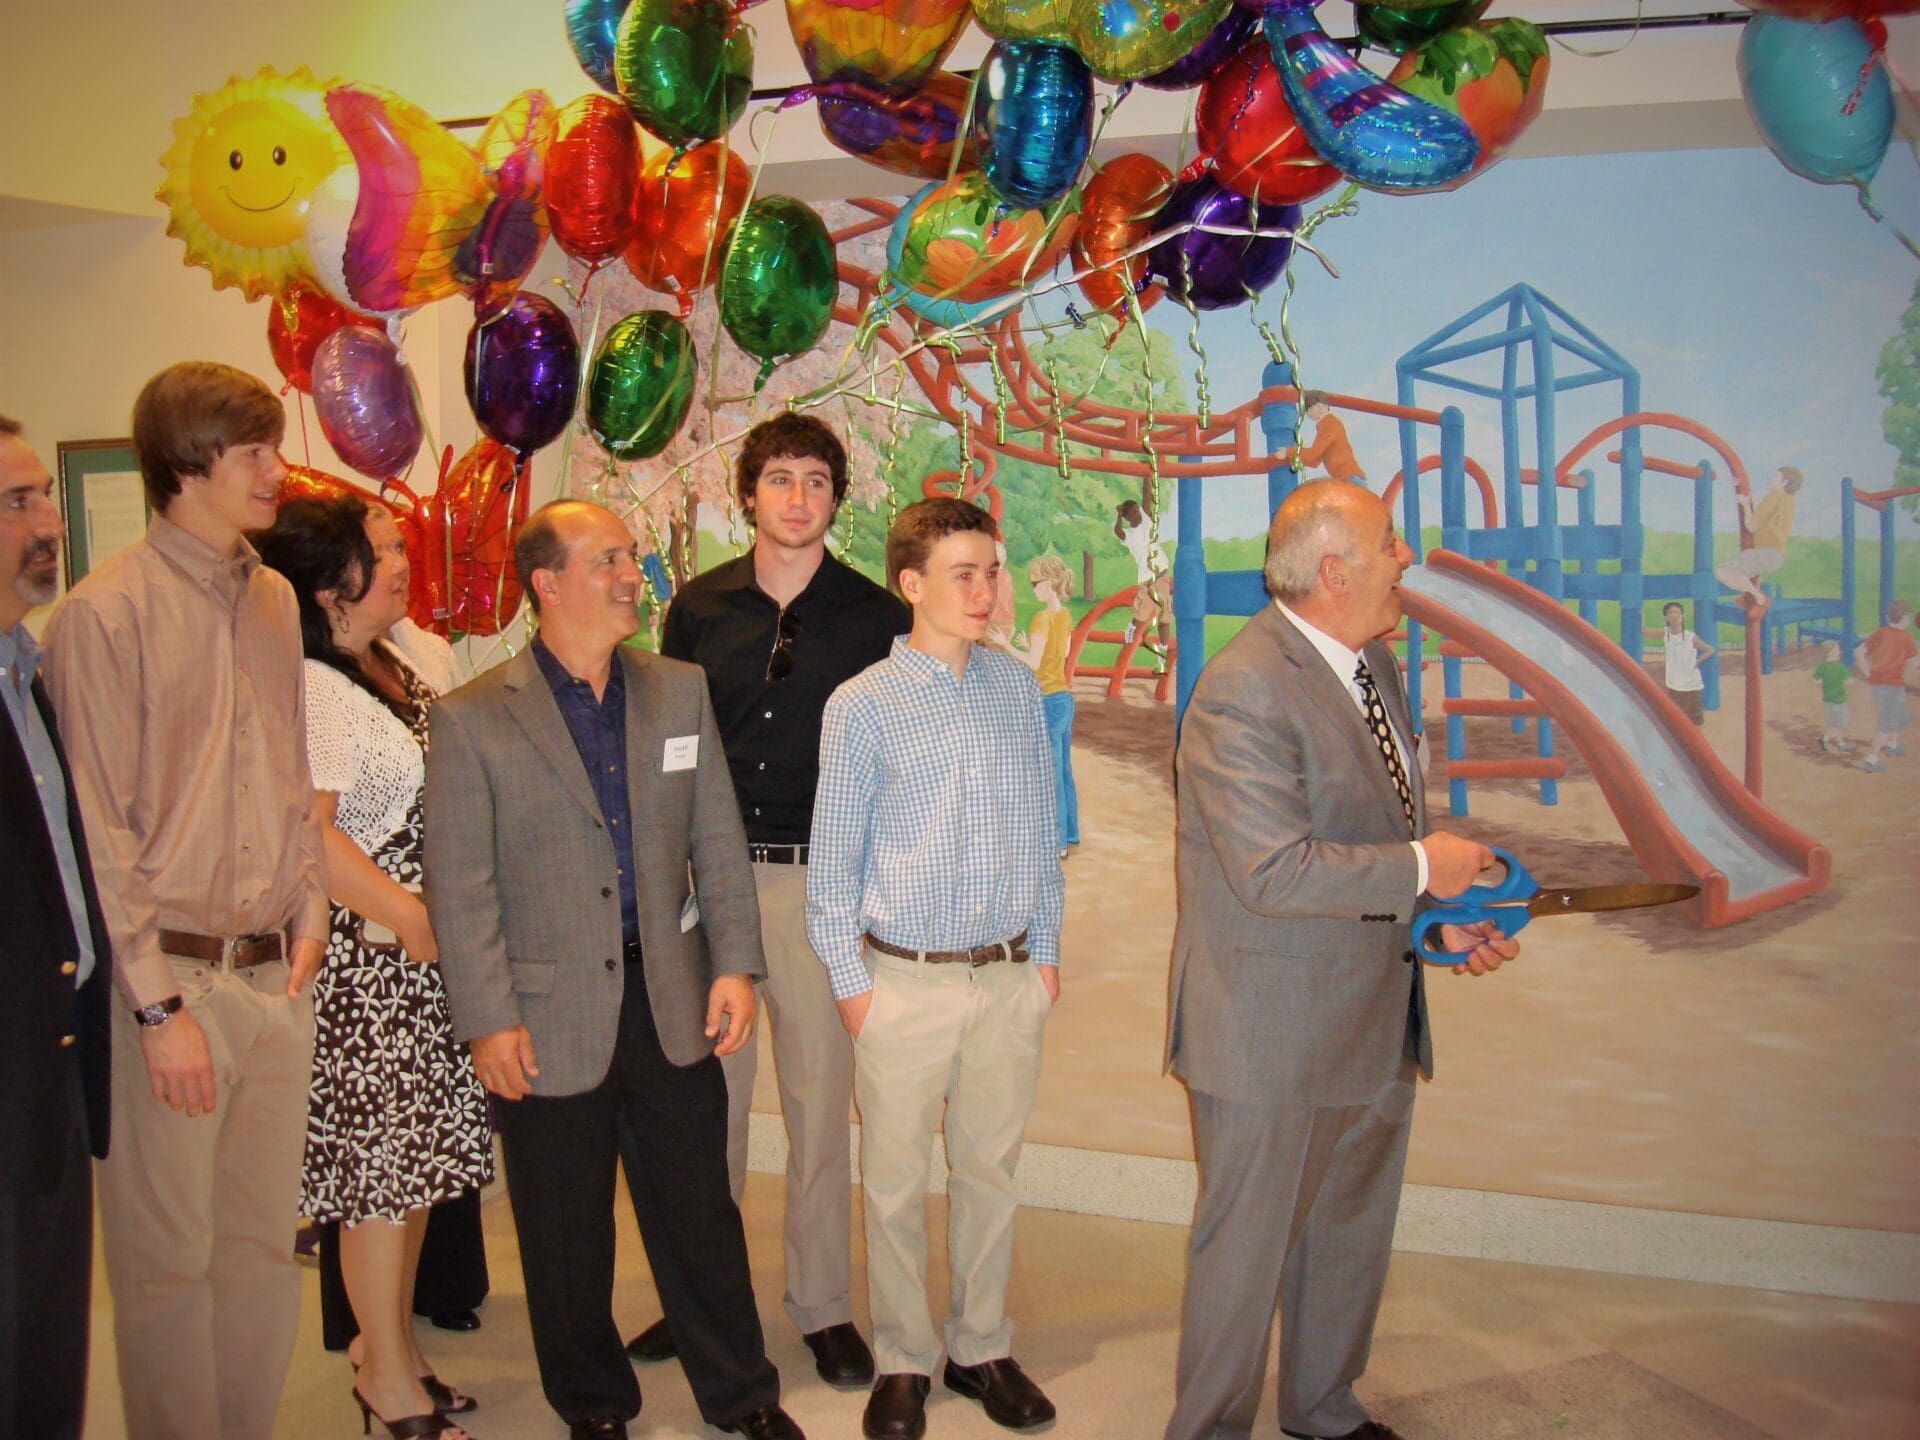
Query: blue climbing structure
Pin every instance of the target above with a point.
(1522, 351)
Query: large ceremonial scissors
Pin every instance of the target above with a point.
(1517, 898)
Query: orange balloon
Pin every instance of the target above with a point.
(686, 217)
(593, 177)
(1116, 213)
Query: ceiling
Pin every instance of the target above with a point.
(96, 86)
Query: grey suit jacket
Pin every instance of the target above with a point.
(520, 877)
(1292, 975)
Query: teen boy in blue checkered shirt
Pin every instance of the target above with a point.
(934, 897)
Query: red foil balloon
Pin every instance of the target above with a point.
(593, 178)
(1244, 124)
(296, 324)
(485, 503)
(1116, 213)
(685, 219)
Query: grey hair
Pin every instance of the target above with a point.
(1310, 525)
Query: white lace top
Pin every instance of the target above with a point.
(362, 751)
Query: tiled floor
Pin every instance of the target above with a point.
(1465, 1350)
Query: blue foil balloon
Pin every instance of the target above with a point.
(522, 371)
(1217, 272)
(1799, 77)
(1210, 54)
(1375, 133)
(1033, 120)
(593, 28)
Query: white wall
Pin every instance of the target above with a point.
(92, 310)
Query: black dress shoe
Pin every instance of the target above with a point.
(841, 1356)
(769, 1422)
(1370, 1430)
(461, 1320)
(897, 1409)
(1004, 1391)
(600, 1427)
(653, 1344)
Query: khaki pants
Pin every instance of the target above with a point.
(968, 1038)
(197, 1214)
(813, 1061)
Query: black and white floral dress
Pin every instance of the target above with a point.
(396, 1118)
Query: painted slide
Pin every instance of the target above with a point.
(1687, 817)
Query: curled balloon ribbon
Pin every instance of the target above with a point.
(1376, 133)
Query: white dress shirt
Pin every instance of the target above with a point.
(1343, 662)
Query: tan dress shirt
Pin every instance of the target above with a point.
(177, 677)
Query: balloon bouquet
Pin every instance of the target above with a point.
(349, 207)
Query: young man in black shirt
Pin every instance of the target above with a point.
(778, 630)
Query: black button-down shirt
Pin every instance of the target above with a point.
(725, 623)
(599, 730)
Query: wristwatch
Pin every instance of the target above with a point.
(157, 1013)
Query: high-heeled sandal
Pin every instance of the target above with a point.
(446, 1399)
(408, 1427)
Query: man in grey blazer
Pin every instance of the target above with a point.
(588, 882)
(1298, 1016)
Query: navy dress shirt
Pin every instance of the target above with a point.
(599, 730)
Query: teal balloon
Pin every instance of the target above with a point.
(1821, 108)
(640, 384)
(684, 67)
(778, 282)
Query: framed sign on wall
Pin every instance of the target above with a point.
(103, 501)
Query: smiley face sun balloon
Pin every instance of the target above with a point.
(244, 164)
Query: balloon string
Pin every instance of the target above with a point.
(1183, 297)
(560, 491)
(306, 445)
(1866, 204)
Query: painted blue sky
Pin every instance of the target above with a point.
(1749, 299)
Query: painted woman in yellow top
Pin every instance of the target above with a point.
(1048, 638)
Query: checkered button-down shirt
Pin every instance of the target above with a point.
(934, 824)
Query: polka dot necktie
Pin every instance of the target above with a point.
(1383, 737)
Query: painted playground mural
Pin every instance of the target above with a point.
(1618, 402)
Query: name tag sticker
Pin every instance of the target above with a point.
(683, 753)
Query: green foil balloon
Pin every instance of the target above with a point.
(684, 67)
(778, 282)
(1119, 39)
(640, 384)
(1406, 27)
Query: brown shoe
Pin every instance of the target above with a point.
(1004, 1391)
(897, 1409)
(841, 1356)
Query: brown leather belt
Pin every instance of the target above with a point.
(1013, 950)
(230, 952)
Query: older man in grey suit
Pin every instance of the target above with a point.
(588, 882)
(1298, 1013)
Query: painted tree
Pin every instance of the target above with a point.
(1899, 376)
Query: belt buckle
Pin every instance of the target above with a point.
(229, 945)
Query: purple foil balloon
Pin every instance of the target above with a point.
(1210, 54)
(1218, 272)
(523, 371)
(365, 403)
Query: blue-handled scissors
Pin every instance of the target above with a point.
(1516, 898)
